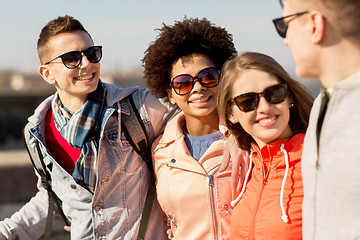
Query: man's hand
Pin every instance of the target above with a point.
(240, 162)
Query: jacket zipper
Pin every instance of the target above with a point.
(263, 182)
(211, 185)
(211, 188)
(253, 221)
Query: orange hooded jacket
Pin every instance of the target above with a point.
(269, 206)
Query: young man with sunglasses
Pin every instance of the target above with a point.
(324, 37)
(99, 178)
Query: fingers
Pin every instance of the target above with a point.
(67, 228)
(226, 158)
(239, 162)
(235, 167)
(244, 167)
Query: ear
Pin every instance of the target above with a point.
(45, 73)
(232, 118)
(291, 102)
(171, 99)
(318, 26)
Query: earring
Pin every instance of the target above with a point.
(291, 105)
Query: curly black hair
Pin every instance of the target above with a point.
(182, 39)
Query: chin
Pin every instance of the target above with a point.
(305, 72)
(89, 89)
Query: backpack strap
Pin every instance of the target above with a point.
(135, 131)
(136, 134)
(33, 149)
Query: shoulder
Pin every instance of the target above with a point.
(114, 94)
(295, 146)
(40, 112)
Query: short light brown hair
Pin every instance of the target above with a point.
(343, 15)
(232, 70)
(62, 24)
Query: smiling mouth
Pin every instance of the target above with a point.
(267, 120)
(201, 100)
(85, 77)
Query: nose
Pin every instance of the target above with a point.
(84, 61)
(264, 106)
(197, 86)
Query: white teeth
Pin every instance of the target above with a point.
(86, 77)
(267, 120)
(201, 100)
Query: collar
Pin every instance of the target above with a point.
(293, 141)
(352, 81)
(173, 129)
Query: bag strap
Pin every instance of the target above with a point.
(135, 131)
(147, 209)
(36, 157)
(132, 125)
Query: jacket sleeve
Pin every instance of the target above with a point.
(158, 112)
(29, 222)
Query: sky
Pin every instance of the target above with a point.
(126, 28)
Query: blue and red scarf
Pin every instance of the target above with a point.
(82, 131)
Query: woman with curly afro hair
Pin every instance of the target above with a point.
(182, 66)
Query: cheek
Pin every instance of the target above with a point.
(235, 114)
(98, 68)
(172, 96)
(245, 119)
(181, 101)
(285, 109)
(215, 91)
(246, 124)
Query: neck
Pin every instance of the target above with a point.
(339, 62)
(202, 126)
(72, 103)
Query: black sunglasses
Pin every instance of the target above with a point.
(250, 101)
(184, 83)
(73, 59)
(282, 26)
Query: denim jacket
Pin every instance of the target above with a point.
(114, 210)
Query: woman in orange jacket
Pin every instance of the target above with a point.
(268, 114)
(182, 66)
